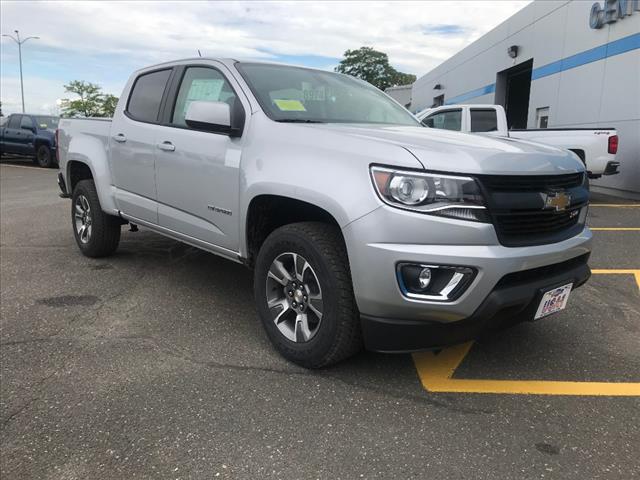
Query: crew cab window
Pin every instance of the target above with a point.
(484, 120)
(26, 122)
(146, 96)
(203, 84)
(14, 122)
(448, 120)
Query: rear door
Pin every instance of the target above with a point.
(133, 146)
(197, 172)
(12, 135)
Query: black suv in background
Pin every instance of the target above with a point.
(30, 136)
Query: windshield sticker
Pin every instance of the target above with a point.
(290, 105)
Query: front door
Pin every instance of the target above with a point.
(27, 137)
(197, 173)
(133, 147)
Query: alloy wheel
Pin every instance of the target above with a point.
(82, 215)
(294, 297)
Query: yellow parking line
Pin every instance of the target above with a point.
(615, 229)
(436, 372)
(615, 205)
(606, 271)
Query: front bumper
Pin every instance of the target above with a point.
(514, 299)
(398, 236)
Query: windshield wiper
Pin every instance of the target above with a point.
(298, 120)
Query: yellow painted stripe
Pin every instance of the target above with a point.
(541, 387)
(435, 372)
(615, 229)
(605, 271)
(615, 205)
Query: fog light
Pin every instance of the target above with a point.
(425, 277)
(443, 283)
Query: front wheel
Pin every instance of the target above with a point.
(96, 233)
(44, 158)
(304, 295)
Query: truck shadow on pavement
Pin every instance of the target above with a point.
(199, 307)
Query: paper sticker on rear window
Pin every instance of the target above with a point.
(290, 105)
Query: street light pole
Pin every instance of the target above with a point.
(20, 42)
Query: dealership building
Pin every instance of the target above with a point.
(555, 64)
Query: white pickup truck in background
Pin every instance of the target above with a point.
(596, 148)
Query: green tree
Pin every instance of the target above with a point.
(373, 66)
(109, 103)
(91, 102)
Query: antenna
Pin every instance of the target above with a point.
(199, 54)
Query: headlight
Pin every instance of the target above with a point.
(432, 193)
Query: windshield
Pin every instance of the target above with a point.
(294, 94)
(47, 123)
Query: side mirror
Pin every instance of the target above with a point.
(31, 129)
(210, 117)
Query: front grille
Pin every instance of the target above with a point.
(537, 183)
(517, 206)
(535, 223)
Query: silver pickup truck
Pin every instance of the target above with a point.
(362, 227)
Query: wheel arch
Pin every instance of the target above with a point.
(87, 152)
(266, 212)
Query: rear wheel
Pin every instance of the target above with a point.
(44, 158)
(304, 295)
(96, 233)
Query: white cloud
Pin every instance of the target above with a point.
(40, 95)
(141, 33)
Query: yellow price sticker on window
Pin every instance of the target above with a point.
(290, 105)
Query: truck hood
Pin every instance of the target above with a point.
(448, 151)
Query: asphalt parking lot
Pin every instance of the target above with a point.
(152, 364)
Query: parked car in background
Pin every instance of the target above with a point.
(30, 136)
(362, 226)
(596, 147)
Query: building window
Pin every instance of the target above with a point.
(438, 101)
(542, 117)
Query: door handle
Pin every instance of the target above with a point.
(167, 146)
(120, 138)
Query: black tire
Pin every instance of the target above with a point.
(338, 333)
(104, 234)
(44, 157)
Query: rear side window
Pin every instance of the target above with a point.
(483, 120)
(14, 121)
(146, 96)
(449, 120)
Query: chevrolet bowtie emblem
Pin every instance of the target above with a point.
(557, 200)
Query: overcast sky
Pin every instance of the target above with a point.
(103, 42)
